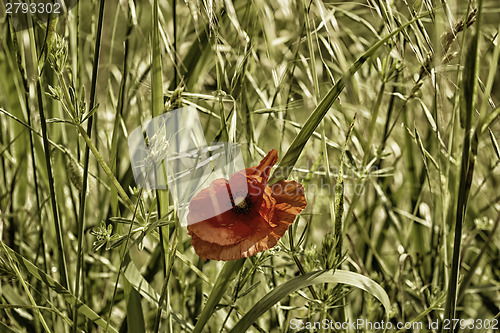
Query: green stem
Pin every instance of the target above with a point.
(83, 194)
(467, 165)
(43, 124)
(124, 258)
(107, 170)
(226, 275)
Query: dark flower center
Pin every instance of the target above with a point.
(241, 205)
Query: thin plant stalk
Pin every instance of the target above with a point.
(467, 166)
(157, 109)
(22, 73)
(63, 270)
(125, 249)
(83, 193)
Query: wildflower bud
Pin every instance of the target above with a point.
(75, 173)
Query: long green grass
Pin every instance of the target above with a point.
(386, 112)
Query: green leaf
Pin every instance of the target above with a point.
(90, 113)
(135, 316)
(135, 278)
(467, 107)
(226, 275)
(308, 279)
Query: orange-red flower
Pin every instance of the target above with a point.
(242, 216)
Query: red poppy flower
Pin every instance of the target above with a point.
(242, 216)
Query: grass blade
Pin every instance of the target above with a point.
(86, 156)
(57, 287)
(467, 165)
(308, 279)
(226, 275)
(135, 316)
(288, 161)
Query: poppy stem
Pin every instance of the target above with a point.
(226, 276)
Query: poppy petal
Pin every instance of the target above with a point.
(228, 228)
(216, 199)
(262, 239)
(209, 202)
(290, 201)
(267, 207)
(264, 167)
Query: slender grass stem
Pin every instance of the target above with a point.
(83, 193)
(123, 256)
(63, 271)
(469, 151)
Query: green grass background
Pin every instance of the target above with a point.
(395, 101)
